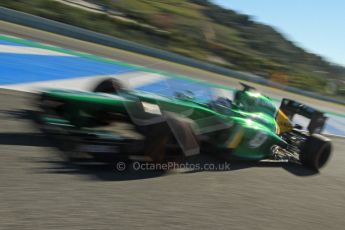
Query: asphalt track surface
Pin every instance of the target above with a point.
(40, 189)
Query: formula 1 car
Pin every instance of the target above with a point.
(249, 127)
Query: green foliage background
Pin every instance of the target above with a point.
(201, 30)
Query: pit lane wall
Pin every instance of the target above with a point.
(90, 36)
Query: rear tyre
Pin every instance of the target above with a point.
(316, 152)
(110, 85)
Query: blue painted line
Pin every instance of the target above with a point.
(335, 125)
(3, 42)
(18, 68)
(330, 128)
(338, 121)
(21, 68)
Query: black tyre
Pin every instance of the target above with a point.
(110, 85)
(176, 131)
(157, 137)
(316, 152)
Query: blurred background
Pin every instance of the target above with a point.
(294, 43)
(211, 31)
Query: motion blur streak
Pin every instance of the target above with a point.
(26, 67)
(39, 190)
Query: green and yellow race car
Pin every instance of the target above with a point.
(248, 127)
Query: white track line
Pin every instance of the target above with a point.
(130, 80)
(30, 50)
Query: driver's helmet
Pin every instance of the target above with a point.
(186, 95)
(222, 105)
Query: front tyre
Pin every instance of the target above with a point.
(316, 152)
(176, 132)
(110, 85)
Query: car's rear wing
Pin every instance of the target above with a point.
(317, 118)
